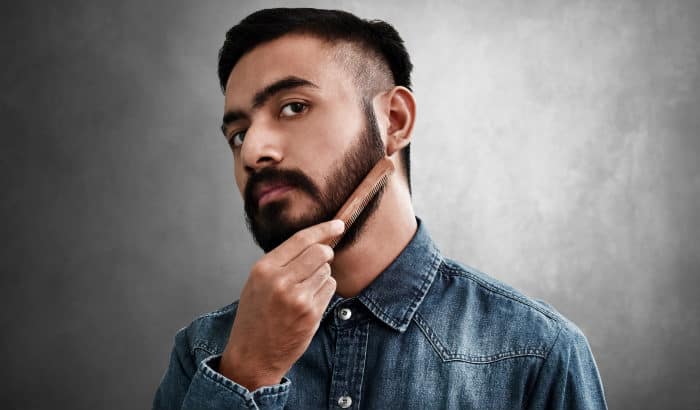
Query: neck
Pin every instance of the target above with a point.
(382, 238)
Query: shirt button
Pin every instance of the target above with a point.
(345, 402)
(344, 313)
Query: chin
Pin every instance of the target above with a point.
(279, 220)
(282, 214)
(270, 233)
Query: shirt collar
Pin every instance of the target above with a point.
(395, 295)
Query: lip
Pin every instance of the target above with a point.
(271, 192)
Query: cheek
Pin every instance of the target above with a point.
(319, 156)
(332, 132)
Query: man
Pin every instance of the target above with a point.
(313, 99)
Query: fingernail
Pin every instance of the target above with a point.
(338, 225)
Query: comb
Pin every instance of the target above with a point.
(375, 180)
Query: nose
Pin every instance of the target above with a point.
(262, 147)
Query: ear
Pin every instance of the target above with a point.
(399, 106)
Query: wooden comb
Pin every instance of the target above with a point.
(377, 178)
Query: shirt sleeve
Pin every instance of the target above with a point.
(569, 378)
(188, 385)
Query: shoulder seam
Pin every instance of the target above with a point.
(526, 399)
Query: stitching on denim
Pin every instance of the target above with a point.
(528, 394)
(448, 356)
(497, 357)
(226, 384)
(267, 393)
(365, 344)
(456, 271)
(270, 396)
(273, 390)
(423, 290)
(346, 327)
(201, 344)
(418, 297)
(380, 312)
(335, 301)
(221, 311)
(561, 328)
(429, 334)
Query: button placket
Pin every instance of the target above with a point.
(348, 362)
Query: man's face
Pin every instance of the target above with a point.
(301, 137)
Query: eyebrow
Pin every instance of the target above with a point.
(262, 96)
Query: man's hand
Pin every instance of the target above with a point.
(280, 308)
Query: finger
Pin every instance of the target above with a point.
(314, 282)
(312, 258)
(301, 240)
(324, 294)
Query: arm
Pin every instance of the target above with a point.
(569, 377)
(190, 385)
(279, 311)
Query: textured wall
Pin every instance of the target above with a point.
(556, 148)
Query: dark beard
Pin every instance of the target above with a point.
(267, 225)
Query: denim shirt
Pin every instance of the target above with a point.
(428, 333)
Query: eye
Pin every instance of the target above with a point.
(292, 109)
(237, 138)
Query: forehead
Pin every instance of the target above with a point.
(295, 55)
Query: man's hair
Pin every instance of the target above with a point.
(376, 56)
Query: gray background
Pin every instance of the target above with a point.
(556, 148)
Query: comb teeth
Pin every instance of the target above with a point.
(379, 184)
(382, 181)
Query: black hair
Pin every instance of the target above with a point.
(376, 39)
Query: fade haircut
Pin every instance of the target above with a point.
(372, 50)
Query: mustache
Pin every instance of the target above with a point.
(291, 177)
